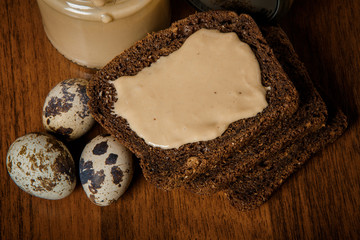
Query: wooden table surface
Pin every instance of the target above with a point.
(321, 201)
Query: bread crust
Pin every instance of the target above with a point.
(257, 185)
(254, 156)
(310, 116)
(192, 158)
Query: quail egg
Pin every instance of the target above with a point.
(65, 110)
(42, 166)
(106, 170)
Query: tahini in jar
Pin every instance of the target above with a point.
(91, 33)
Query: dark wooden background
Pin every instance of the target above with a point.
(321, 201)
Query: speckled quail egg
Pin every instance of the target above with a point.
(42, 166)
(65, 110)
(106, 170)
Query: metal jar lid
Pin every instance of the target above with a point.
(263, 9)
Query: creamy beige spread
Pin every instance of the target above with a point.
(194, 93)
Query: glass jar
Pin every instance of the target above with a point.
(261, 9)
(91, 33)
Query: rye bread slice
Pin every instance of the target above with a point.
(253, 188)
(161, 163)
(310, 116)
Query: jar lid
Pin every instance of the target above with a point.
(97, 10)
(264, 9)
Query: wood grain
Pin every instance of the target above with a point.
(321, 201)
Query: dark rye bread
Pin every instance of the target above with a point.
(253, 188)
(310, 116)
(164, 164)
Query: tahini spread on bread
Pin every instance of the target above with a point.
(194, 93)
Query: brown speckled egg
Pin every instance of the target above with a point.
(42, 166)
(65, 110)
(106, 170)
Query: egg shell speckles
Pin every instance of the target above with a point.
(42, 166)
(106, 170)
(65, 110)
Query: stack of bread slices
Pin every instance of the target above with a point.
(254, 156)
